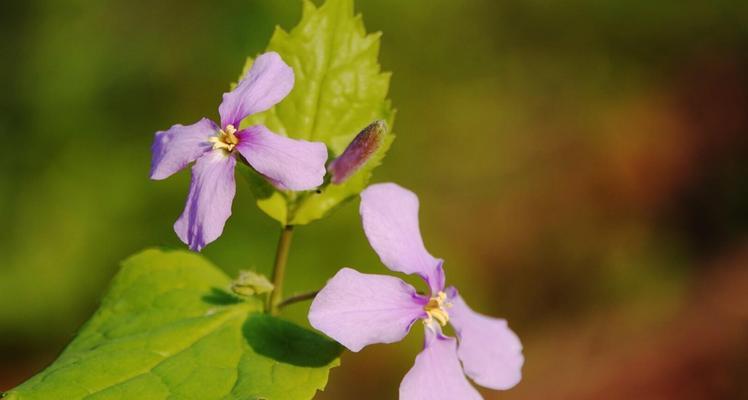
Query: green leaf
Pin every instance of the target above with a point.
(168, 329)
(339, 90)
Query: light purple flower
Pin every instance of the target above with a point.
(361, 309)
(286, 163)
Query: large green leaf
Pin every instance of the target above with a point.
(339, 90)
(168, 329)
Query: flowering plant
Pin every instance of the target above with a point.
(306, 125)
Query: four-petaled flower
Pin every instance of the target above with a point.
(287, 163)
(360, 309)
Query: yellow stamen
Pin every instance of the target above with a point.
(435, 309)
(225, 139)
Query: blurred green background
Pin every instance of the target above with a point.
(582, 167)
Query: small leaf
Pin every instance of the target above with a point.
(166, 330)
(339, 90)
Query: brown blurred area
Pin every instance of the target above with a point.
(698, 351)
(699, 348)
(582, 168)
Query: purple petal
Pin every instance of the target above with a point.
(437, 279)
(180, 145)
(491, 353)
(361, 309)
(209, 201)
(288, 163)
(267, 83)
(390, 218)
(437, 374)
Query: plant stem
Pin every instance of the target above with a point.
(297, 298)
(279, 269)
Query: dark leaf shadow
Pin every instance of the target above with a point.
(221, 297)
(288, 343)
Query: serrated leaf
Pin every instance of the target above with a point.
(339, 84)
(168, 329)
(339, 90)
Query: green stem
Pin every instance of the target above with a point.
(298, 298)
(279, 269)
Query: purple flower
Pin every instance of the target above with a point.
(360, 309)
(287, 163)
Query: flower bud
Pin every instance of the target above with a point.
(250, 283)
(358, 152)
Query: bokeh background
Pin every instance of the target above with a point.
(582, 167)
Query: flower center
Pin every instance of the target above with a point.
(435, 309)
(225, 139)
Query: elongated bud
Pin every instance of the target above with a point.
(358, 152)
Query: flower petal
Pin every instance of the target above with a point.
(289, 164)
(267, 83)
(209, 201)
(361, 309)
(180, 145)
(437, 374)
(390, 218)
(491, 353)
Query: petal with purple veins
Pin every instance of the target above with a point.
(209, 201)
(361, 309)
(437, 279)
(491, 353)
(437, 374)
(289, 164)
(180, 145)
(390, 218)
(267, 83)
